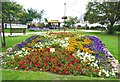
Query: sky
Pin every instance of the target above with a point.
(54, 9)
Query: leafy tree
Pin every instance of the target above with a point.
(71, 21)
(103, 12)
(11, 8)
(40, 15)
(31, 14)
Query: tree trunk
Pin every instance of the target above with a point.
(4, 43)
(110, 29)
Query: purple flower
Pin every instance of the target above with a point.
(96, 56)
(19, 46)
(24, 43)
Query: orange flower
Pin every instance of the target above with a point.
(28, 44)
(86, 49)
(70, 49)
(28, 49)
(35, 49)
(86, 41)
(81, 47)
(91, 52)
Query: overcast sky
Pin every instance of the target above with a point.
(55, 8)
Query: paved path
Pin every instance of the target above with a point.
(17, 34)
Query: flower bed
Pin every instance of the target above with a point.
(62, 53)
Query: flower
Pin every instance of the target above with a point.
(52, 50)
(57, 69)
(16, 68)
(19, 46)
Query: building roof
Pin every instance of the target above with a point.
(53, 21)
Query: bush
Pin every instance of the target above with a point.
(117, 27)
(93, 28)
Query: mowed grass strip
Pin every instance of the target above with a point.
(30, 75)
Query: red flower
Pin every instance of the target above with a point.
(34, 61)
(48, 50)
(86, 62)
(23, 66)
(79, 69)
(51, 70)
(44, 51)
(64, 71)
(95, 70)
(22, 61)
(37, 58)
(60, 73)
(72, 68)
(46, 64)
(68, 73)
(6, 63)
(57, 69)
(38, 64)
(27, 62)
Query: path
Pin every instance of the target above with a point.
(17, 34)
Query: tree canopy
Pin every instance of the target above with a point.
(102, 12)
(19, 13)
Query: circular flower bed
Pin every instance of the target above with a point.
(62, 53)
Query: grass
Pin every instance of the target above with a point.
(24, 75)
(11, 41)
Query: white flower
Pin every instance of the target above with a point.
(66, 38)
(52, 50)
(103, 71)
(107, 74)
(7, 55)
(12, 56)
(23, 49)
(16, 68)
(19, 52)
(64, 45)
(99, 73)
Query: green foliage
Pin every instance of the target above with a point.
(71, 21)
(103, 12)
(13, 8)
(117, 27)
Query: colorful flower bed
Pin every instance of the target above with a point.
(62, 53)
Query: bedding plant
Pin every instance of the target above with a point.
(62, 53)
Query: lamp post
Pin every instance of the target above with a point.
(64, 15)
(11, 17)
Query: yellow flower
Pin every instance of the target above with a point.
(91, 52)
(86, 41)
(29, 44)
(35, 49)
(81, 47)
(28, 49)
(39, 50)
(70, 49)
(86, 49)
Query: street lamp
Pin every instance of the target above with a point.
(64, 15)
(11, 17)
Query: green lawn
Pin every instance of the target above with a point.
(23, 75)
(11, 41)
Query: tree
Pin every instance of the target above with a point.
(71, 21)
(40, 15)
(98, 12)
(31, 14)
(9, 9)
